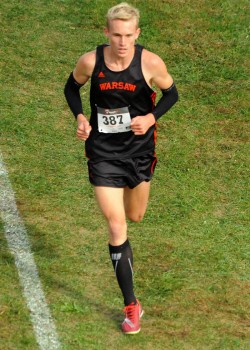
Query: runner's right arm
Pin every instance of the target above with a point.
(76, 80)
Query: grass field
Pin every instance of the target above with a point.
(191, 251)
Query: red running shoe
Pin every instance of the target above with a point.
(133, 313)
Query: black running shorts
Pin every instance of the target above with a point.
(122, 173)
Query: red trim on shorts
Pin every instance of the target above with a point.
(153, 165)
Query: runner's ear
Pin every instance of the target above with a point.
(106, 31)
(137, 33)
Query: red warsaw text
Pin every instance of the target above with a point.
(117, 85)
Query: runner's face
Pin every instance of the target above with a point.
(122, 36)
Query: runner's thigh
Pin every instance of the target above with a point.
(136, 201)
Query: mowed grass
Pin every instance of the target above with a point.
(191, 251)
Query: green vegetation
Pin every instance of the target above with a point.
(191, 251)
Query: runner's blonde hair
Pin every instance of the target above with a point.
(124, 12)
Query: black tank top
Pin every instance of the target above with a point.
(112, 91)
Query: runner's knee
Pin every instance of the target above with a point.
(135, 217)
(117, 227)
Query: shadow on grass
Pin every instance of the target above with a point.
(74, 280)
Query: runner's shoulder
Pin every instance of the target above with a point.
(86, 62)
(151, 59)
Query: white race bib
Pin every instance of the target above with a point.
(113, 120)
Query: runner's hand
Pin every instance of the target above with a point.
(141, 124)
(83, 128)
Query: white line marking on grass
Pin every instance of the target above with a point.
(19, 246)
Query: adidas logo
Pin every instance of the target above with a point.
(101, 75)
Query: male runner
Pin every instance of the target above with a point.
(120, 135)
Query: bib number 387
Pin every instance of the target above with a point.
(113, 120)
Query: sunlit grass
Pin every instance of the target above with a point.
(191, 251)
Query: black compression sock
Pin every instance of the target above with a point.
(122, 259)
